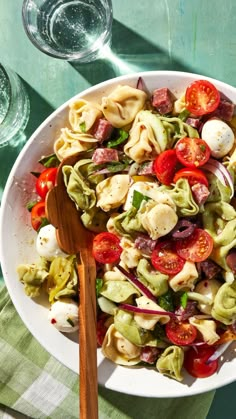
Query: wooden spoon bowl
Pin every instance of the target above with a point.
(73, 238)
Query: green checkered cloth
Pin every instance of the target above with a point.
(34, 384)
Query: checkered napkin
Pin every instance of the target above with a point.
(33, 384)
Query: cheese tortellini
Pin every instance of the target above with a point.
(122, 105)
(70, 143)
(83, 115)
(111, 192)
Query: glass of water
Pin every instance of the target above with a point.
(73, 30)
(14, 106)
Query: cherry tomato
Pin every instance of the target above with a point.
(201, 97)
(180, 333)
(196, 247)
(193, 176)
(106, 248)
(165, 166)
(195, 362)
(38, 213)
(46, 181)
(192, 152)
(165, 259)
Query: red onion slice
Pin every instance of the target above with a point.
(136, 309)
(138, 284)
(218, 169)
(140, 85)
(219, 351)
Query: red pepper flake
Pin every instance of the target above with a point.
(53, 321)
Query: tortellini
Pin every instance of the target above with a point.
(207, 328)
(70, 143)
(122, 105)
(130, 255)
(117, 291)
(119, 349)
(157, 219)
(147, 321)
(182, 196)
(33, 276)
(224, 307)
(170, 362)
(111, 192)
(154, 280)
(83, 115)
(186, 278)
(62, 279)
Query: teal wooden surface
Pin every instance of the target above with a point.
(186, 35)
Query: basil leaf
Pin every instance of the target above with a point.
(82, 126)
(165, 301)
(184, 115)
(99, 284)
(138, 197)
(122, 136)
(50, 161)
(30, 205)
(184, 300)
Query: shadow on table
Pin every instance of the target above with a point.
(130, 53)
(39, 110)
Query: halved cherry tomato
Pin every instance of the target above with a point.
(193, 176)
(165, 166)
(46, 181)
(106, 248)
(38, 213)
(180, 333)
(192, 152)
(165, 259)
(201, 97)
(195, 362)
(196, 247)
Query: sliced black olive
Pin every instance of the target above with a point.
(183, 229)
(231, 260)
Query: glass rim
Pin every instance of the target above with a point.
(5, 70)
(56, 54)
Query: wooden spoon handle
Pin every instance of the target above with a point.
(88, 336)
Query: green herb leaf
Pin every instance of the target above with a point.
(99, 284)
(138, 197)
(44, 222)
(121, 137)
(166, 301)
(30, 205)
(36, 174)
(82, 126)
(184, 299)
(184, 115)
(50, 161)
(70, 322)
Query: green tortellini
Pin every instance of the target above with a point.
(62, 279)
(127, 223)
(171, 361)
(33, 276)
(118, 291)
(218, 191)
(219, 219)
(175, 129)
(95, 220)
(182, 197)
(78, 187)
(154, 280)
(224, 307)
(125, 324)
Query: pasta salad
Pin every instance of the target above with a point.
(154, 182)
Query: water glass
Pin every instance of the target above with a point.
(14, 106)
(73, 30)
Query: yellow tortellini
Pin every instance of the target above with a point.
(70, 143)
(170, 362)
(122, 105)
(119, 349)
(83, 115)
(111, 192)
(207, 328)
(186, 278)
(147, 321)
(130, 255)
(157, 219)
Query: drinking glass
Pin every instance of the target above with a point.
(73, 30)
(14, 105)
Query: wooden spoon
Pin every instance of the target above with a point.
(73, 238)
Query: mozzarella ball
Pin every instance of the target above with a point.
(219, 136)
(209, 288)
(46, 243)
(64, 315)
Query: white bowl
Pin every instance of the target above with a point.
(17, 241)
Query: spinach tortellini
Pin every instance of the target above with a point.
(224, 306)
(33, 276)
(170, 362)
